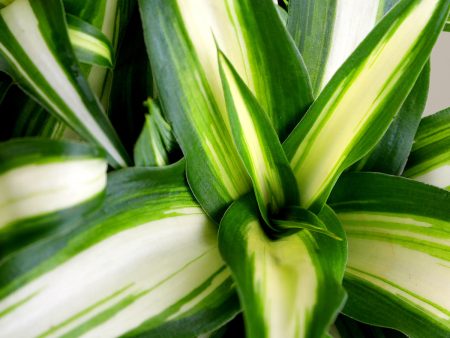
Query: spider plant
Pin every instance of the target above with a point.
(281, 172)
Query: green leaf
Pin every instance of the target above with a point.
(346, 327)
(328, 31)
(292, 219)
(398, 269)
(5, 84)
(44, 182)
(29, 119)
(90, 45)
(289, 287)
(156, 140)
(35, 43)
(111, 18)
(391, 153)
(258, 145)
(358, 104)
(429, 161)
(147, 265)
(183, 54)
(132, 84)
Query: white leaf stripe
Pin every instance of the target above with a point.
(373, 80)
(33, 190)
(25, 47)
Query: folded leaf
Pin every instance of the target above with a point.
(35, 44)
(146, 265)
(111, 18)
(156, 139)
(289, 287)
(183, 53)
(429, 161)
(258, 145)
(398, 269)
(358, 104)
(43, 183)
(90, 44)
(391, 153)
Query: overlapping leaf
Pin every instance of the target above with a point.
(183, 53)
(358, 104)
(34, 42)
(146, 264)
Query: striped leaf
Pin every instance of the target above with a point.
(146, 265)
(328, 31)
(391, 153)
(43, 183)
(183, 54)
(398, 269)
(447, 25)
(156, 140)
(90, 44)
(429, 161)
(290, 287)
(358, 104)
(30, 119)
(258, 145)
(111, 18)
(35, 43)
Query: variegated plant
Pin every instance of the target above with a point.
(281, 169)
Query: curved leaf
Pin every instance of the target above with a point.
(43, 183)
(429, 161)
(398, 269)
(90, 44)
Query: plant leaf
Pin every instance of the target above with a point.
(34, 41)
(398, 269)
(90, 44)
(391, 153)
(5, 84)
(327, 32)
(156, 140)
(111, 18)
(290, 287)
(44, 182)
(147, 264)
(183, 54)
(258, 145)
(358, 104)
(429, 161)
